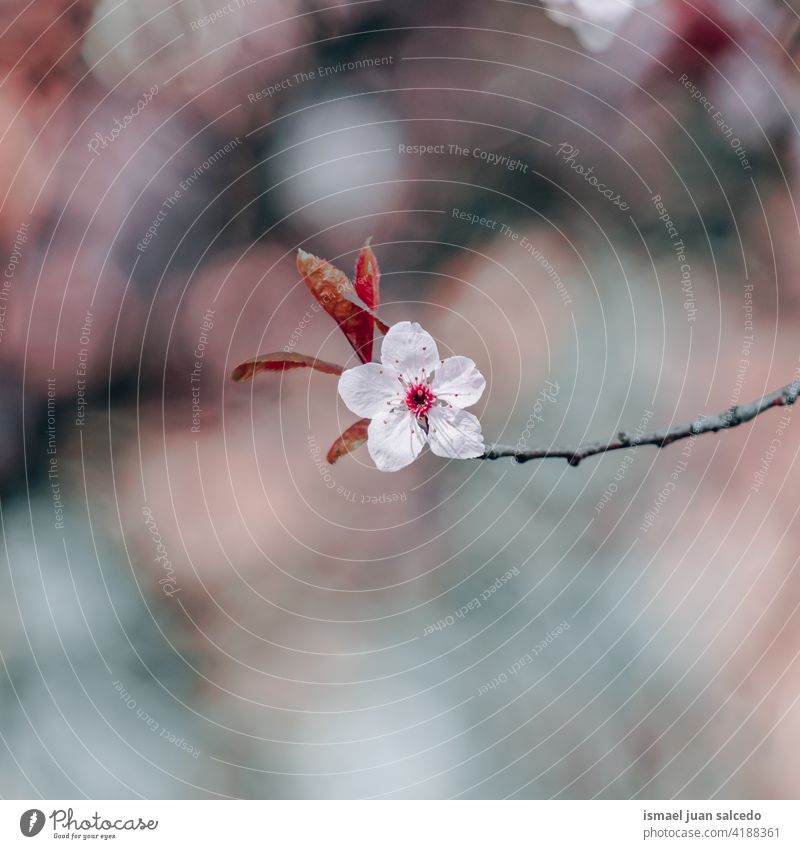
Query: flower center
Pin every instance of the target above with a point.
(419, 399)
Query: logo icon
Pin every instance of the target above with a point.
(31, 822)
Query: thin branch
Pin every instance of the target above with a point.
(732, 417)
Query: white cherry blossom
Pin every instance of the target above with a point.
(414, 398)
(595, 22)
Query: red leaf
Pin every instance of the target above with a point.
(368, 276)
(354, 437)
(328, 284)
(281, 361)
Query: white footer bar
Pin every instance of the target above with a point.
(402, 824)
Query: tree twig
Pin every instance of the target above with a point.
(734, 416)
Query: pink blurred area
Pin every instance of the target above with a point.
(286, 633)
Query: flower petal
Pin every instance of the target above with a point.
(394, 440)
(454, 433)
(458, 382)
(370, 389)
(410, 350)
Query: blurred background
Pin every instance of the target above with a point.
(595, 201)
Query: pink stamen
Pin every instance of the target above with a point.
(419, 399)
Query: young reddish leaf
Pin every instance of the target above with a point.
(368, 276)
(323, 278)
(354, 437)
(328, 285)
(281, 361)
